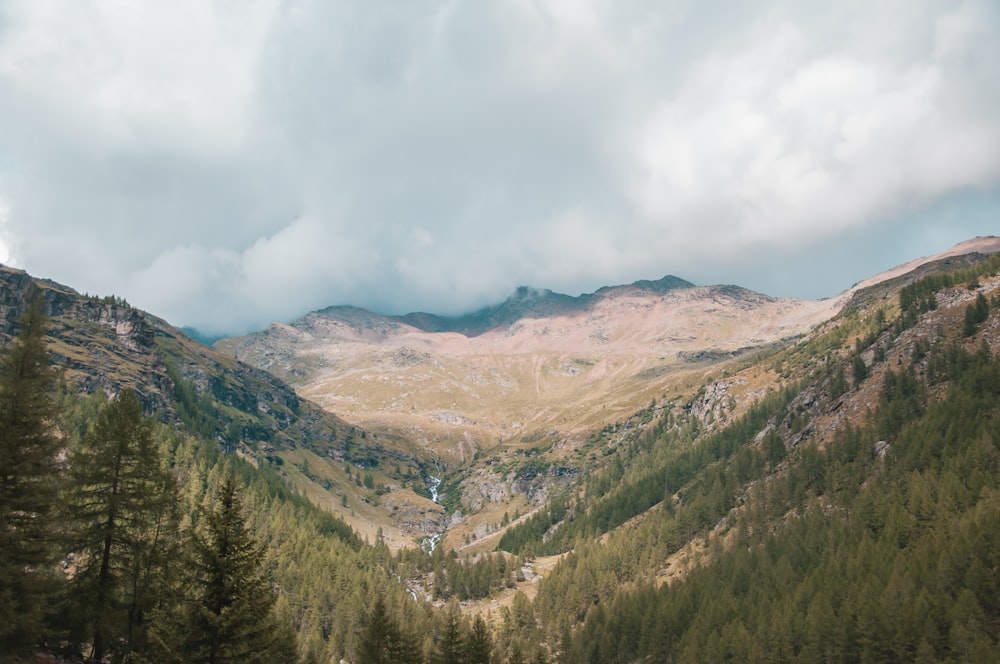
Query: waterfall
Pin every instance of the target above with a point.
(428, 544)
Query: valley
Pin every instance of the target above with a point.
(532, 382)
(537, 332)
(563, 468)
(535, 389)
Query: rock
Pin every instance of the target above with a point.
(881, 447)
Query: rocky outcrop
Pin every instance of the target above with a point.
(106, 344)
(415, 515)
(535, 483)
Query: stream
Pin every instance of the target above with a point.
(428, 544)
(433, 483)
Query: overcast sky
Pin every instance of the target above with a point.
(229, 163)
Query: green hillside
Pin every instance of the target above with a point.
(847, 509)
(868, 536)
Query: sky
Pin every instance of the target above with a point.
(229, 163)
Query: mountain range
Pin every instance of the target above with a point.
(658, 421)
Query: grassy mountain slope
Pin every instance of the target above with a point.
(553, 363)
(852, 514)
(103, 344)
(514, 413)
(533, 391)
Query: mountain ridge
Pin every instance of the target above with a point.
(535, 383)
(537, 347)
(537, 343)
(544, 383)
(525, 301)
(106, 345)
(870, 435)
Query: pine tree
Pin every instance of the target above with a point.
(28, 480)
(451, 643)
(383, 642)
(124, 506)
(480, 647)
(379, 637)
(975, 314)
(229, 616)
(860, 369)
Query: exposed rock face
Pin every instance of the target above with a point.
(415, 515)
(484, 486)
(105, 344)
(102, 343)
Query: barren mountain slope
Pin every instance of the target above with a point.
(550, 372)
(550, 363)
(565, 372)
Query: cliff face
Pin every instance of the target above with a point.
(105, 344)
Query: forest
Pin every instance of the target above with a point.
(857, 557)
(881, 545)
(125, 539)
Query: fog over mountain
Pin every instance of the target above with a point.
(227, 165)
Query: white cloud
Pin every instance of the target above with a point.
(774, 143)
(225, 164)
(138, 72)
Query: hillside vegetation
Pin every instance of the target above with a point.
(852, 515)
(835, 498)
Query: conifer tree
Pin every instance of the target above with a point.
(229, 616)
(480, 647)
(383, 642)
(124, 506)
(379, 637)
(28, 480)
(975, 314)
(860, 369)
(451, 643)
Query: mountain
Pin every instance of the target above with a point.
(696, 474)
(538, 362)
(528, 302)
(544, 374)
(852, 514)
(750, 465)
(104, 344)
(210, 416)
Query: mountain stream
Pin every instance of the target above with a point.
(428, 544)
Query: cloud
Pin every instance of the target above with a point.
(773, 140)
(4, 249)
(227, 164)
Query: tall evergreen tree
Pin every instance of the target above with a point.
(380, 636)
(124, 506)
(28, 480)
(229, 617)
(383, 642)
(451, 643)
(480, 647)
(860, 369)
